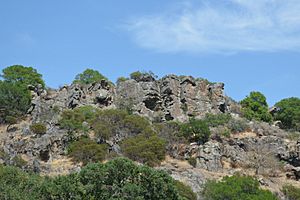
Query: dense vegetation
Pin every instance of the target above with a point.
(289, 113)
(15, 98)
(255, 107)
(236, 188)
(22, 75)
(118, 179)
(140, 140)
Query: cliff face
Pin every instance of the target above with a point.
(170, 98)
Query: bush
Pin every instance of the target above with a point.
(73, 120)
(108, 123)
(122, 79)
(255, 107)
(185, 191)
(23, 76)
(38, 128)
(192, 161)
(289, 113)
(116, 179)
(238, 125)
(146, 149)
(217, 120)
(15, 100)
(235, 188)
(138, 76)
(89, 76)
(86, 150)
(195, 131)
(291, 192)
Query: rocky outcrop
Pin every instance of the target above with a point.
(172, 97)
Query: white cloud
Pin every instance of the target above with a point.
(223, 26)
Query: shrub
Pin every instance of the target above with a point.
(15, 100)
(291, 192)
(238, 125)
(89, 76)
(23, 76)
(192, 161)
(122, 79)
(235, 188)
(217, 120)
(289, 113)
(146, 149)
(195, 131)
(185, 191)
(38, 128)
(86, 150)
(255, 107)
(73, 120)
(138, 76)
(108, 123)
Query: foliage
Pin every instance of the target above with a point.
(17, 185)
(122, 179)
(86, 150)
(108, 123)
(289, 113)
(195, 131)
(235, 188)
(72, 120)
(217, 120)
(291, 192)
(38, 128)
(192, 161)
(148, 149)
(255, 107)
(22, 75)
(185, 191)
(89, 76)
(122, 79)
(15, 100)
(138, 75)
(238, 125)
(118, 179)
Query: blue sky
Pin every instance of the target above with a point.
(248, 45)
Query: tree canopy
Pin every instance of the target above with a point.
(289, 113)
(117, 179)
(15, 100)
(236, 188)
(255, 106)
(89, 76)
(22, 75)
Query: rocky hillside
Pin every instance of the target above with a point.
(235, 145)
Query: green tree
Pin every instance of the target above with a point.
(289, 113)
(89, 76)
(236, 188)
(255, 107)
(195, 131)
(15, 100)
(22, 75)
